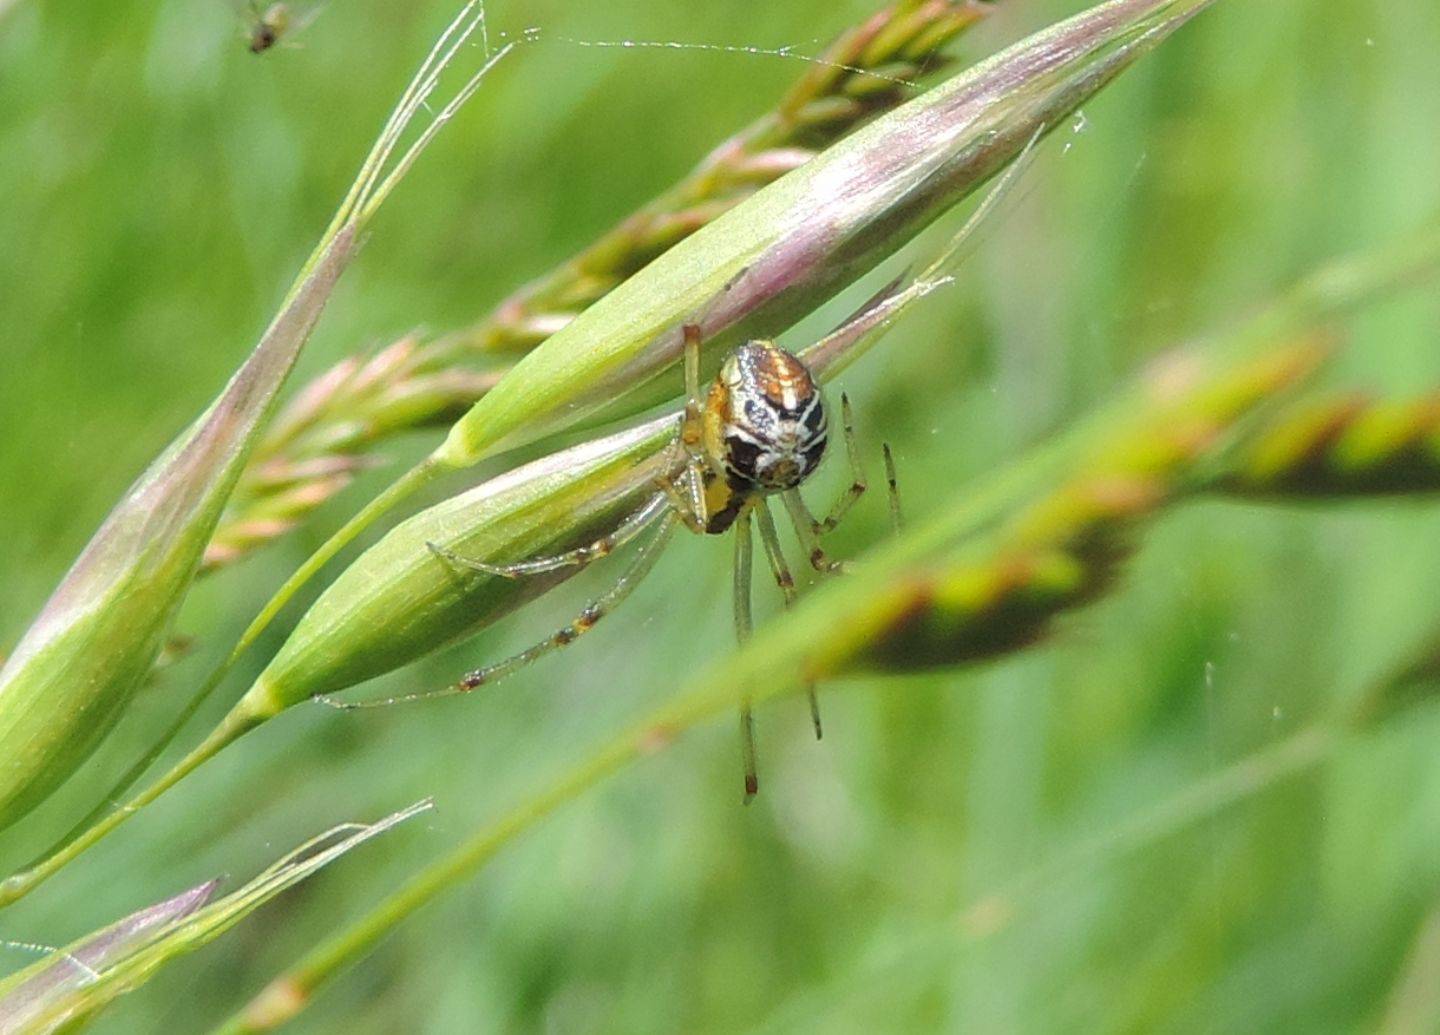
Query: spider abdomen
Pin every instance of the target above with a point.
(765, 423)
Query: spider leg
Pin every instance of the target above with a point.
(857, 473)
(623, 533)
(582, 623)
(893, 484)
(690, 432)
(691, 428)
(806, 530)
(771, 541)
(681, 504)
(743, 625)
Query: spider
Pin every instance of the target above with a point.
(760, 429)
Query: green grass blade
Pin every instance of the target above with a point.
(79, 664)
(75, 984)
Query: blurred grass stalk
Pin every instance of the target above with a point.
(67, 989)
(988, 574)
(769, 261)
(785, 247)
(318, 442)
(28, 995)
(1338, 444)
(998, 909)
(97, 638)
(1398, 693)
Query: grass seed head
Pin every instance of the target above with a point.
(399, 601)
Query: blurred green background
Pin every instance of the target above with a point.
(918, 870)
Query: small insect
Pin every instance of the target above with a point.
(273, 23)
(268, 26)
(759, 430)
